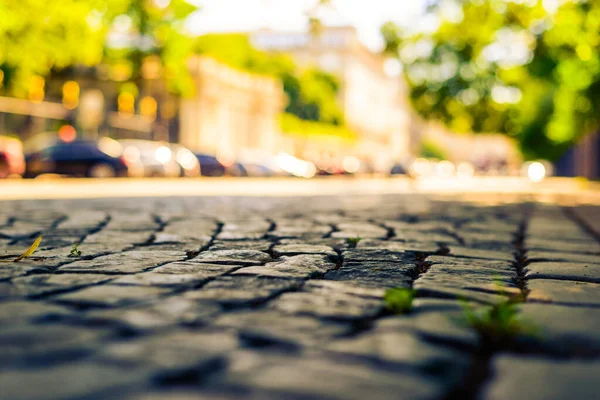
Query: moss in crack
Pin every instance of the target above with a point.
(399, 300)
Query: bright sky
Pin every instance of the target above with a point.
(290, 15)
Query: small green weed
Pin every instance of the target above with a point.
(75, 252)
(399, 300)
(353, 242)
(498, 324)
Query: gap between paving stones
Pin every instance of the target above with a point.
(480, 372)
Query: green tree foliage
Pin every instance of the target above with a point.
(430, 149)
(508, 66)
(311, 92)
(37, 37)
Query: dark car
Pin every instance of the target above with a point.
(398, 169)
(98, 159)
(210, 166)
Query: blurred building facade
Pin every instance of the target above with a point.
(375, 103)
(231, 110)
(485, 151)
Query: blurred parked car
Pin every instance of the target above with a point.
(259, 163)
(188, 163)
(257, 170)
(398, 169)
(210, 166)
(98, 159)
(12, 160)
(154, 158)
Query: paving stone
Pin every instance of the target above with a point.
(301, 266)
(401, 227)
(315, 376)
(530, 378)
(564, 271)
(43, 284)
(132, 221)
(573, 293)
(251, 229)
(489, 236)
(173, 353)
(69, 381)
(177, 274)
(548, 245)
(125, 263)
(30, 345)
(421, 304)
(252, 225)
(22, 230)
(467, 262)
(259, 245)
(241, 235)
(110, 295)
(16, 312)
(327, 241)
(405, 348)
(5, 219)
(459, 251)
(269, 327)
(86, 220)
(491, 225)
(118, 240)
(159, 279)
(328, 304)
(238, 257)
(329, 286)
(536, 256)
(242, 291)
(427, 245)
(298, 231)
(55, 239)
(296, 249)
(191, 228)
(196, 242)
(204, 270)
(563, 330)
(457, 291)
(41, 215)
(161, 314)
(373, 255)
(484, 270)
(362, 230)
(374, 274)
(9, 270)
(419, 236)
(485, 280)
(445, 326)
(203, 393)
(572, 233)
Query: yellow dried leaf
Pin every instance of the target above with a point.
(30, 250)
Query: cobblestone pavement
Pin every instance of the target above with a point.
(226, 298)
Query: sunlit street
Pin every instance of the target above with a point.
(471, 189)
